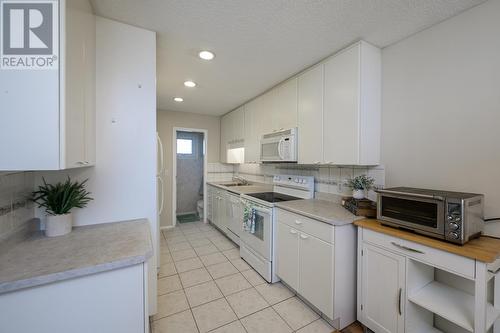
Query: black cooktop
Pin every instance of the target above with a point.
(273, 197)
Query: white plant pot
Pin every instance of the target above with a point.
(58, 225)
(358, 194)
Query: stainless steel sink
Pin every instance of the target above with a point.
(238, 184)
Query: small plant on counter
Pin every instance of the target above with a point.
(58, 200)
(360, 185)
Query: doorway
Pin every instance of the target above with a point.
(189, 197)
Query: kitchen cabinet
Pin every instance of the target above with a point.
(287, 254)
(317, 260)
(252, 132)
(352, 106)
(219, 211)
(382, 285)
(110, 301)
(310, 116)
(55, 127)
(232, 132)
(405, 286)
(210, 202)
(282, 109)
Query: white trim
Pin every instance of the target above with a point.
(166, 227)
(174, 170)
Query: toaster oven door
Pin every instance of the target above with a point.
(415, 213)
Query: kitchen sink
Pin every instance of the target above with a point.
(238, 184)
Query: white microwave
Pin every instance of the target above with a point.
(279, 146)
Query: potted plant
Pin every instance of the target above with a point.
(360, 185)
(58, 200)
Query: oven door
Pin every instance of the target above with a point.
(270, 150)
(425, 215)
(260, 240)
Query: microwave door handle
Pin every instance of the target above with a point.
(280, 148)
(427, 196)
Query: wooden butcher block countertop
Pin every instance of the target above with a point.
(484, 249)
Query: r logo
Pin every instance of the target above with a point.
(27, 28)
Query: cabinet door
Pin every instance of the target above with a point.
(252, 150)
(287, 254)
(310, 116)
(265, 109)
(225, 128)
(341, 108)
(382, 288)
(316, 265)
(284, 106)
(78, 139)
(238, 121)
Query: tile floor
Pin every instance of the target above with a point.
(204, 286)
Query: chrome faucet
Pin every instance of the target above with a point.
(241, 180)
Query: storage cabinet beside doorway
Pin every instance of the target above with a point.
(53, 128)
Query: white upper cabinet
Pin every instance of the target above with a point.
(50, 113)
(351, 110)
(310, 116)
(252, 131)
(232, 132)
(283, 113)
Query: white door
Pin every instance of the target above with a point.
(260, 240)
(341, 107)
(383, 288)
(235, 220)
(287, 254)
(316, 278)
(310, 116)
(252, 151)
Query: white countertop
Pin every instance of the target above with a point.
(321, 210)
(36, 260)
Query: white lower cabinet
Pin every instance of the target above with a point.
(382, 285)
(318, 261)
(407, 287)
(218, 208)
(111, 301)
(287, 254)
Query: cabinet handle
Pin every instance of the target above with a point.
(399, 301)
(293, 232)
(406, 248)
(298, 222)
(317, 162)
(304, 236)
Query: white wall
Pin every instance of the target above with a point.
(441, 107)
(167, 120)
(123, 182)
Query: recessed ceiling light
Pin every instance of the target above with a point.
(206, 55)
(190, 84)
(179, 99)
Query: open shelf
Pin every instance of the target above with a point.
(452, 304)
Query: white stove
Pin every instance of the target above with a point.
(257, 247)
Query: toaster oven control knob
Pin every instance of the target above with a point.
(453, 226)
(453, 235)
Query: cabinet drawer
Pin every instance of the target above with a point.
(310, 226)
(441, 259)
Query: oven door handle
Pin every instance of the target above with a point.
(280, 148)
(262, 210)
(418, 195)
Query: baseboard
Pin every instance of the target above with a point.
(167, 227)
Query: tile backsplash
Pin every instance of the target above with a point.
(327, 179)
(219, 172)
(15, 208)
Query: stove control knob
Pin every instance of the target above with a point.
(453, 235)
(296, 180)
(453, 226)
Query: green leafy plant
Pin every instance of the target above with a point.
(62, 197)
(362, 182)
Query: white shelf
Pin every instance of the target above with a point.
(451, 304)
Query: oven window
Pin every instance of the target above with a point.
(417, 212)
(259, 226)
(270, 149)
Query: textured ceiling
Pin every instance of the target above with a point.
(259, 43)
